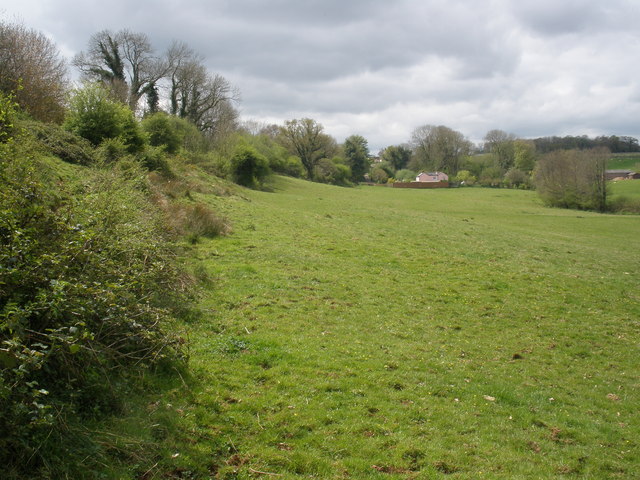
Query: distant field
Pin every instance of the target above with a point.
(410, 334)
(621, 161)
(627, 188)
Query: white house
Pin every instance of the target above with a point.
(432, 177)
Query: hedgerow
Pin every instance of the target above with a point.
(88, 287)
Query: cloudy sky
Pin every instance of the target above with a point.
(381, 68)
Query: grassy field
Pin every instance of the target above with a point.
(622, 161)
(382, 333)
(626, 188)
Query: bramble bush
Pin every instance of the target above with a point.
(88, 284)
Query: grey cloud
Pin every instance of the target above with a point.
(381, 68)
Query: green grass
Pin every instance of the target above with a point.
(623, 161)
(382, 333)
(626, 188)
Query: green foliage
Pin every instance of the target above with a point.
(155, 159)
(379, 175)
(54, 140)
(87, 284)
(516, 178)
(397, 155)
(524, 155)
(332, 171)
(405, 175)
(247, 167)
(623, 204)
(277, 155)
(356, 152)
(465, 177)
(161, 132)
(94, 115)
(387, 167)
(491, 176)
(8, 109)
(306, 139)
(293, 167)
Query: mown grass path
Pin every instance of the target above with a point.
(381, 333)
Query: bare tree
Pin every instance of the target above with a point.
(31, 68)
(438, 148)
(125, 61)
(573, 178)
(502, 145)
(206, 99)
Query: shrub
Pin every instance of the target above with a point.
(247, 167)
(517, 178)
(378, 175)
(58, 142)
(87, 285)
(195, 220)
(8, 108)
(465, 177)
(332, 171)
(111, 150)
(161, 132)
(624, 204)
(154, 159)
(405, 175)
(294, 168)
(94, 115)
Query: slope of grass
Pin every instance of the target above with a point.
(381, 333)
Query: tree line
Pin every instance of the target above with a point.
(177, 83)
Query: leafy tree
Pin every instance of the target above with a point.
(356, 151)
(573, 179)
(31, 68)
(96, 116)
(305, 139)
(524, 155)
(438, 148)
(397, 155)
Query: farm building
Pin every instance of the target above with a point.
(621, 175)
(432, 177)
